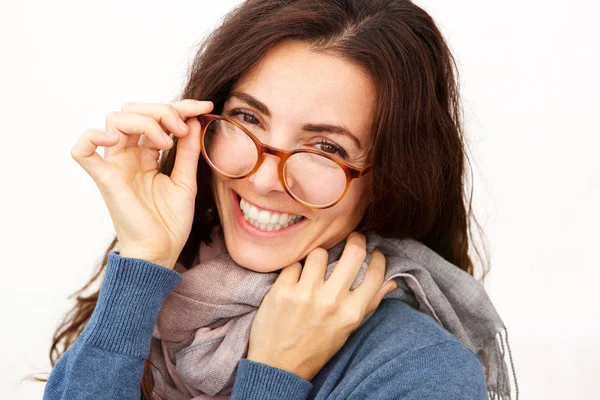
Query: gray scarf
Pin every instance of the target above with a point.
(203, 328)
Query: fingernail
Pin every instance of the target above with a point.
(112, 134)
(167, 138)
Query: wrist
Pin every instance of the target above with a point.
(163, 261)
(304, 373)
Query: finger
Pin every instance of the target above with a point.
(370, 293)
(170, 117)
(289, 275)
(188, 147)
(130, 127)
(373, 279)
(347, 268)
(84, 150)
(314, 268)
(186, 157)
(146, 143)
(166, 115)
(191, 108)
(383, 290)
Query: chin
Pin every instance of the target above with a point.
(255, 243)
(261, 259)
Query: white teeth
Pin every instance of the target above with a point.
(266, 220)
(264, 217)
(253, 212)
(284, 218)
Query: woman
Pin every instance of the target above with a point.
(324, 126)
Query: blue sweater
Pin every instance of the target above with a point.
(399, 353)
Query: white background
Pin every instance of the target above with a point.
(531, 92)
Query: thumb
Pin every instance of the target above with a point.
(186, 157)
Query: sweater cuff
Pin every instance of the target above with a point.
(133, 292)
(256, 381)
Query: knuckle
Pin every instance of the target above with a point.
(351, 317)
(151, 126)
(376, 274)
(356, 250)
(74, 153)
(171, 111)
(375, 277)
(128, 106)
(303, 298)
(88, 133)
(168, 113)
(328, 305)
(75, 150)
(285, 294)
(112, 115)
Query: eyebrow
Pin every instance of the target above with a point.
(336, 129)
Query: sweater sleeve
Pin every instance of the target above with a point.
(447, 370)
(107, 359)
(259, 381)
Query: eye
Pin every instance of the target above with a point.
(330, 148)
(246, 116)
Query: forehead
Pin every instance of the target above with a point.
(299, 86)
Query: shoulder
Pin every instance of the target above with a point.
(407, 354)
(398, 327)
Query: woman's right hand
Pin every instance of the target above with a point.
(152, 212)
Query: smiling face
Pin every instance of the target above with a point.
(295, 98)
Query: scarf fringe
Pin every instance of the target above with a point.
(504, 384)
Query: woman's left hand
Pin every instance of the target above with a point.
(304, 319)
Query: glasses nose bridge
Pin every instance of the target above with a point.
(274, 151)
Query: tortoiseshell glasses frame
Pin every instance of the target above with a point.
(351, 171)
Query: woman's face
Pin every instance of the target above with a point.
(284, 99)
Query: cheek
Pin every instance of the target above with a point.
(336, 223)
(359, 195)
(352, 207)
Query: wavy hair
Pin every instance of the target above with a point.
(419, 179)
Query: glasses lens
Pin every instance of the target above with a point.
(229, 149)
(314, 179)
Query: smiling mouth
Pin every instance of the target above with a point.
(265, 220)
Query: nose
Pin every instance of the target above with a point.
(266, 178)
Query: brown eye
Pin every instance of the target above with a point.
(243, 116)
(249, 118)
(328, 148)
(331, 148)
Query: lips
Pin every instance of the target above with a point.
(252, 226)
(267, 220)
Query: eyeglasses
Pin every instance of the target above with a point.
(312, 177)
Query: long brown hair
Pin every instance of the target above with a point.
(419, 178)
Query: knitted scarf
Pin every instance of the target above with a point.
(203, 328)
